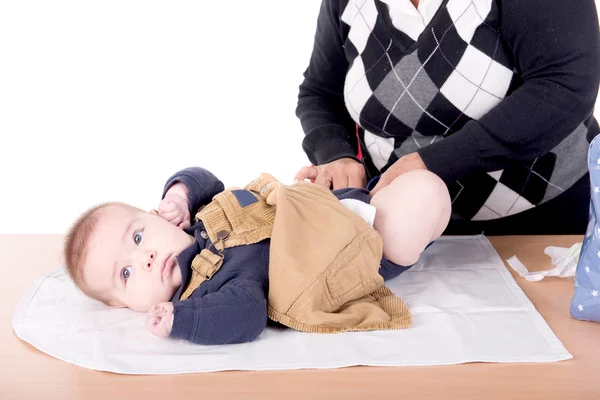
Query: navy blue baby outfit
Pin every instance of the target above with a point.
(231, 307)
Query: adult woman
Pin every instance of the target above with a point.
(496, 97)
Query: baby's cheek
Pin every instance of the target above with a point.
(141, 300)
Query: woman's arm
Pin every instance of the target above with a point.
(556, 47)
(329, 129)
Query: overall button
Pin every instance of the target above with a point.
(204, 235)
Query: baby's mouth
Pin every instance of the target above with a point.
(164, 266)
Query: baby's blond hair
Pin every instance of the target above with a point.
(76, 246)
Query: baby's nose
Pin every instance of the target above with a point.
(149, 260)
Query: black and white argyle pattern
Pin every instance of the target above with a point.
(407, 95)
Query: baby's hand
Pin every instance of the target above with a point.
(174, 207)
(159, 320)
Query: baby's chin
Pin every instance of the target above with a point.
(166, 297)
(147, 306)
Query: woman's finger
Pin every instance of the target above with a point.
(307, 173)
(356, 179)
(383, 182)
(324, 178)
(340, 180)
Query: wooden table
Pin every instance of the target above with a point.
(28, 373)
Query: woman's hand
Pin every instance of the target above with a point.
(406, 163)
(338, 174)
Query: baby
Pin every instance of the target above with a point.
(127, 257)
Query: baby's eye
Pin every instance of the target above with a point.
(137, 237)
(126, 273)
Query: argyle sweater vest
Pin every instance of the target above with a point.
(475, 98)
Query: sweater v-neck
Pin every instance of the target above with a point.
(400, 39)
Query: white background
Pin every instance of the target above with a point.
(104, 100)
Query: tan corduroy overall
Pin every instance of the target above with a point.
(324, 259)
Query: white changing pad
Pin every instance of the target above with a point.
(466, 307)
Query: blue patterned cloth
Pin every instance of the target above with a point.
(585, 304)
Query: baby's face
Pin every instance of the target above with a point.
(131, 258)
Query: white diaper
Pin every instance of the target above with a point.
(360, 208)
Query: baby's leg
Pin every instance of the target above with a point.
(412, 211)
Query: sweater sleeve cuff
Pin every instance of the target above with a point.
(201, 184)
(183, 322)
(454, 157)
(194, 190)
(323, 146)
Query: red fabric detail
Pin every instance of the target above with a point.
(359, 154)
